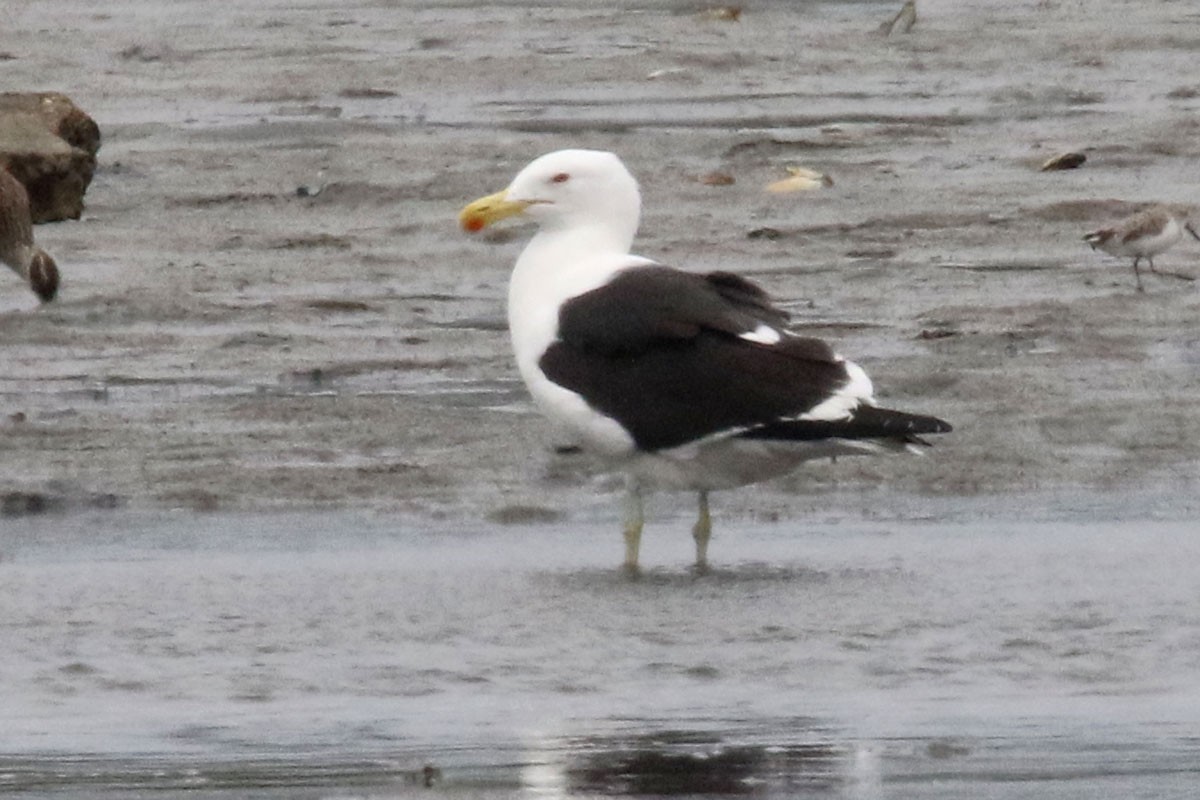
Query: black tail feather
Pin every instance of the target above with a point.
(867, 422)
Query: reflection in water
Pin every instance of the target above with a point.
(651, 771)
(686, 763)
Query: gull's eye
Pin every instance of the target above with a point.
(561, 177)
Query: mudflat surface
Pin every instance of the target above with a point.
(267, 303)
(275, 503)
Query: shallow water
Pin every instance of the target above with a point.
(340, 654)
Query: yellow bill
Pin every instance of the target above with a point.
(480, 213)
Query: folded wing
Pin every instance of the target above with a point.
(676, 357)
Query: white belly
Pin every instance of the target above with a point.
(733, 462)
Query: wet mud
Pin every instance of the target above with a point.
(267, 304)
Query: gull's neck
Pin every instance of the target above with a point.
(556, 265)
(561, 262)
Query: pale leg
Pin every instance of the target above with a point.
(702, 532)
(633, 521)
(1138, 274)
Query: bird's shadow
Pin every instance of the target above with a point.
(751, 572)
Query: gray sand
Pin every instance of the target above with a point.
(268, 305)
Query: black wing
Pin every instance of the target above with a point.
(662, 352)
(645, 307)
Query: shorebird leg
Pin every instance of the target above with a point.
(633, 521)
(702, 532)
(1137, 274)
(1188, 227)
(1166, 273)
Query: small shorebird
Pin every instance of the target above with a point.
(17, 249)
(1143, 235)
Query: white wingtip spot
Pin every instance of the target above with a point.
(860, 386)
(857, 391)
(763, 334)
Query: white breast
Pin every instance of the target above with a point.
(548, 273)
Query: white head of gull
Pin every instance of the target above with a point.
(687, 381)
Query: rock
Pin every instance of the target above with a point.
(49, 145)
(765, 233)
(717, 179)
(524, 515)
(1064, 161)
(21, 504)
(56, 497)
